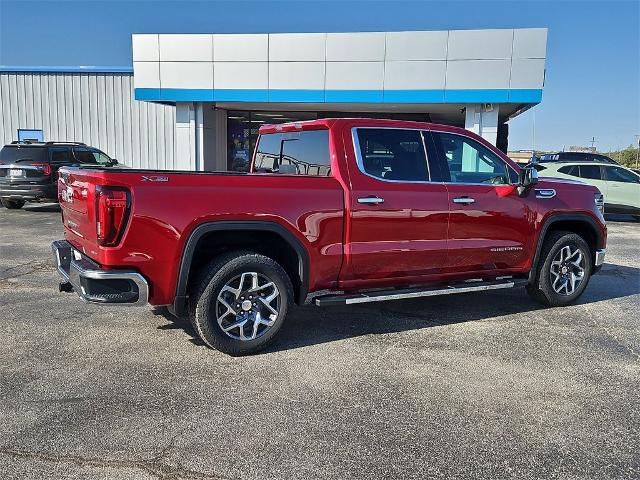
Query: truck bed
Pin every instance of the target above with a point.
(165, 207)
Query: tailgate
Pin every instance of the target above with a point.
(76, 194)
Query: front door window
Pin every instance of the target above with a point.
(471, 162)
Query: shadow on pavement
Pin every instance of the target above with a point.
(310, 325)
(42, 207)
(614, 217)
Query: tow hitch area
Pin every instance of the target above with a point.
(94, 284)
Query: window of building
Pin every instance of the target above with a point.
(302, 153)
(30, 135)
(392, 154)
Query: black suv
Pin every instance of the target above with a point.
(29, 171)
(576, 157)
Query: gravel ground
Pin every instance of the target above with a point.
(471, 386)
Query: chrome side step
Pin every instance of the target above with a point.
(398, 294)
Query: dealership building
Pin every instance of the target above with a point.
(196, 101)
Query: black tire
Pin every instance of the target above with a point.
(541, 289)
(203, 300)
(12, 204)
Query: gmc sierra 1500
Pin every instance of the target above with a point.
(369, 210)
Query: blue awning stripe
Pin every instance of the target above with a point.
(340, 96)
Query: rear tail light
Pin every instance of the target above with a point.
(599, 199)
(112, 212)
(45, 167)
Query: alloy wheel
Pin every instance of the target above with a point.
(248, 306)
(567, 270)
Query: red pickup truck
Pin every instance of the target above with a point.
(338, 211)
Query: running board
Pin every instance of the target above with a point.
(398, 294)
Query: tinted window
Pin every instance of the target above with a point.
(60, 155)
(392, 154)
(602, 158)
(303, 153)
(471, 162)
(268, 152)
(572, 157)
(11, 154)
(306, 152)
(617, 174)
(102, 158)
(590, 171)
(570, 170)
(88, 156)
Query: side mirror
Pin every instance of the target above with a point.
(528, 178)
(114, 161)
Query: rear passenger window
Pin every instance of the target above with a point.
(570, 170)
(392, 154)
(301, 153)
(590, 171)
(60, 155)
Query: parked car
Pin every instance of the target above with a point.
(369, 210)
(29, 171)
(576, 157)
(620, 185)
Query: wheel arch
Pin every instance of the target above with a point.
(298, 269)
(581, 224)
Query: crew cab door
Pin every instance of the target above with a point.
(398, 219)
(490, 227)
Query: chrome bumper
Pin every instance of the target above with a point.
(600, 256)
(117, 287)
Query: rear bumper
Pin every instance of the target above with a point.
(26, 191)
(95, 285)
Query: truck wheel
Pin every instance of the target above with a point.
(239, 302)
(13, 204)
(563, 270)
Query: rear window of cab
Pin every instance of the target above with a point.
(294, 153)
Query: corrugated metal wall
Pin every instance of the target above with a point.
(95, 108)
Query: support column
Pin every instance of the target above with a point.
(185, 136)
(201, 137)
(482, 119)
(215, 138)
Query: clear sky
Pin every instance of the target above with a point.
(593, 53)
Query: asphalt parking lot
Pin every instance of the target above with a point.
(476, 386)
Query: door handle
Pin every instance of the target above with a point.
(371, 200)
(464, 200)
